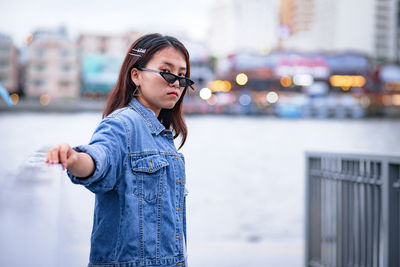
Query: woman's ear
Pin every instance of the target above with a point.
(135, 75)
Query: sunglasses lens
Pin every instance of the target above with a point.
(170, 78)
(184, 82)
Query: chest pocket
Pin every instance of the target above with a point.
(149, 176)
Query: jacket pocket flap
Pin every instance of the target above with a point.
(149, 164)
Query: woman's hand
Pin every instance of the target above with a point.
(62, 153)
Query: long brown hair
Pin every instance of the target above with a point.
(124, 89)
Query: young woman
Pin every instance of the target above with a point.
(131, 163)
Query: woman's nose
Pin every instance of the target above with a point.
(176, 83)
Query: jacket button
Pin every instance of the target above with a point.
(178, 209)
(179, 264)
(178, 236)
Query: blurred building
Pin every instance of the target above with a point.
(243, 26)
(387, 30)
(368, 26)
(113, 45)
(101, 58)
(8, 64)
(52, 68)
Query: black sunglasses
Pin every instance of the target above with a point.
(171, 78)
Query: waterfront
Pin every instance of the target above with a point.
(245, 180)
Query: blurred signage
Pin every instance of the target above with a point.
(219, 86)
(100, 72)
(300, 64)
(347, 80)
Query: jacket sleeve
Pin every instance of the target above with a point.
(108, 149)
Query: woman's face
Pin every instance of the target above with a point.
(155, 93)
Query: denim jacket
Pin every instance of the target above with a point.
(139, 185)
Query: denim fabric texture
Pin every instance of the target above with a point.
(139, 185)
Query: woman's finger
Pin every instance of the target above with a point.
(63, 154)
(48, 157)
(54, 155)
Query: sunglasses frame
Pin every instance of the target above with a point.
(179, 78)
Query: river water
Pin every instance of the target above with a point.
(245, 177)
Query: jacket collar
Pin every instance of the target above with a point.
(148, 116)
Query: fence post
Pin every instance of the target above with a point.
(390, 214)
(352, 210)
(307, 212)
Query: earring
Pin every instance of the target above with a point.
(136, 92)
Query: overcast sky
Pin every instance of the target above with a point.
(20, 17)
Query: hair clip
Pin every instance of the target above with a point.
(139, 50)
(136, 55)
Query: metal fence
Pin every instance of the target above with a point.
(352, 210)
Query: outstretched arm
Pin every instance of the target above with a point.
(79, 164)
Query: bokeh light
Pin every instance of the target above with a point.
(347, 81)
(14, 98)
(245, 100)
(272, 97)
(220, 86)
(29, 39)
(286, 81)
(44, 99)
(241, 79)
(303, 79)
(205, 93)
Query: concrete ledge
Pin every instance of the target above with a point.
(67, 105)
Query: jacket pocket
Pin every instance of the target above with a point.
(149, 176)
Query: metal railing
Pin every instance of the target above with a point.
(352, 210)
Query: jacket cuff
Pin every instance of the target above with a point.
(99, 157)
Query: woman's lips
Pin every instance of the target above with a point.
(173, 93)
